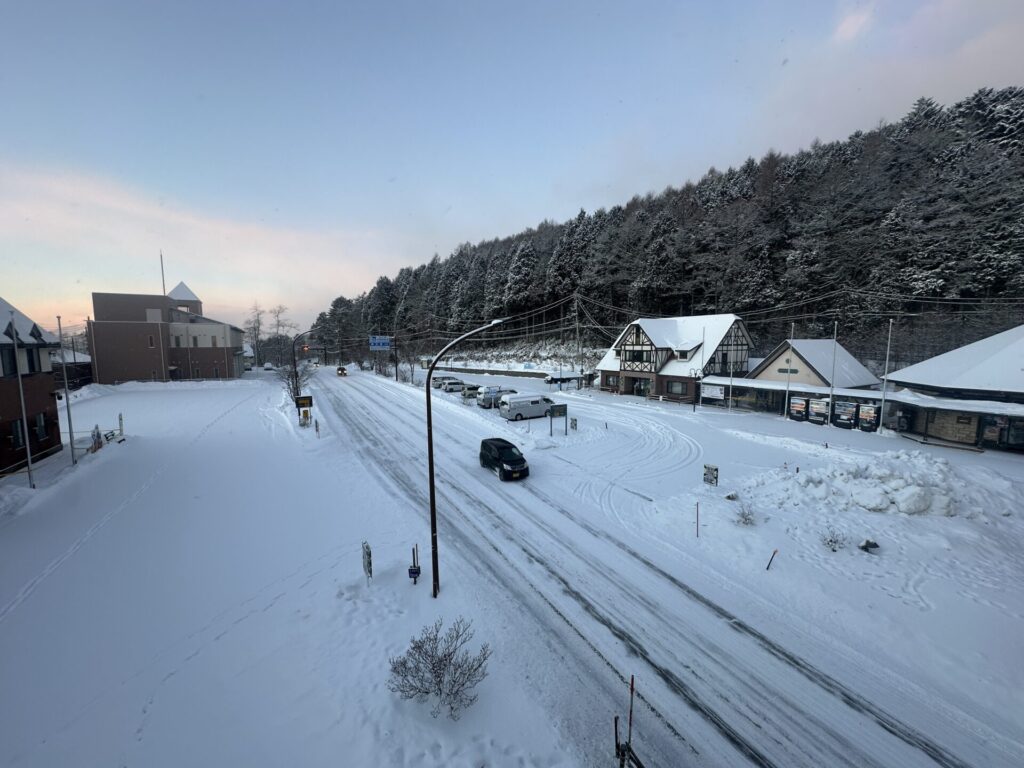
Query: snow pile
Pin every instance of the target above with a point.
(907, 482)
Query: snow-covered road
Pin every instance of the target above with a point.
(194, 595)
(569, 544)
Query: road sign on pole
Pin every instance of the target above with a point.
(380, 343)
(710, 474)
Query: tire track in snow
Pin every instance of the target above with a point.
(29, 587)
(853, 700)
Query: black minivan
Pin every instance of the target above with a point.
(504, 458)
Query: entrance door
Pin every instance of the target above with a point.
(641, 387)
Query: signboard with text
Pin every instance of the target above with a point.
(380, 343)
(712, 391)
(711, 474)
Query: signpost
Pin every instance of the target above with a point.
(380, 343)
(303, 401)
(560, 411)
(711, 474)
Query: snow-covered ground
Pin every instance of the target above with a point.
(194, 595)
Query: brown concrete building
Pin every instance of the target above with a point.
(149, 337)
(24, 348)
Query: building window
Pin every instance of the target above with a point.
(40, 426)
(151, 344)
(195, 373)
(177, 341)
(675, 387)
(8, 360)
(32, 356)
(637, 356)
(17, 434)
(611, 381)
(195, 341)
(213, 341)
(788, 370)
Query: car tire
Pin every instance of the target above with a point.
(519, 417)
(483, 463)
(501, 475)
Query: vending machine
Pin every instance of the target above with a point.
(798, 408)
(867, 417)
(817, 411)
(844, 414)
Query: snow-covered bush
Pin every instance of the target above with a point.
(437, 667)
(745, 516)
(833, 539)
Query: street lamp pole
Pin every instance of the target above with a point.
(295, 363)
(21, 394)
(430, 446)
(67, 391)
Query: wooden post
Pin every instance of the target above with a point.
(698, 519)
(774, 552)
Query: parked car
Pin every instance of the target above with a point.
(437, 381)
(504, 458)
(488, 397)
(518, 407)
(452, 385)
(469, 392)
(268, 366)
(342, 371)
(248, 366)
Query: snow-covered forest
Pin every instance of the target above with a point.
(918, 220)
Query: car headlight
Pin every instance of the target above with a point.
(507, 467)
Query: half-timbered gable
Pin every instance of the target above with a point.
(664, 357)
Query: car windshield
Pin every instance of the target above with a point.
(509, 453)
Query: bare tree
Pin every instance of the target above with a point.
(254, 329)
(280, 326)
(294, 381)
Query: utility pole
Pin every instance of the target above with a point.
(885, 379)
(832, 380)
(67, 390)
(789, 368)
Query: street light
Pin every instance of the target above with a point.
(295, 363)
(430, 446)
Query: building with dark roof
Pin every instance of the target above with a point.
(24, 348)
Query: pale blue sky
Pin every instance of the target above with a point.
(291, 152)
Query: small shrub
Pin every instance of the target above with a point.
(745, 517)
(437, 666)
(833, 539)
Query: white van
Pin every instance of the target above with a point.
(516, 407)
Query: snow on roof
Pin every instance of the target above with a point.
(686, 332)
(681, 368)
(182, 292)
(677, 333)
(28, 331)
(609, 362)
(818, 354)
(994, 364)
(70, 356)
